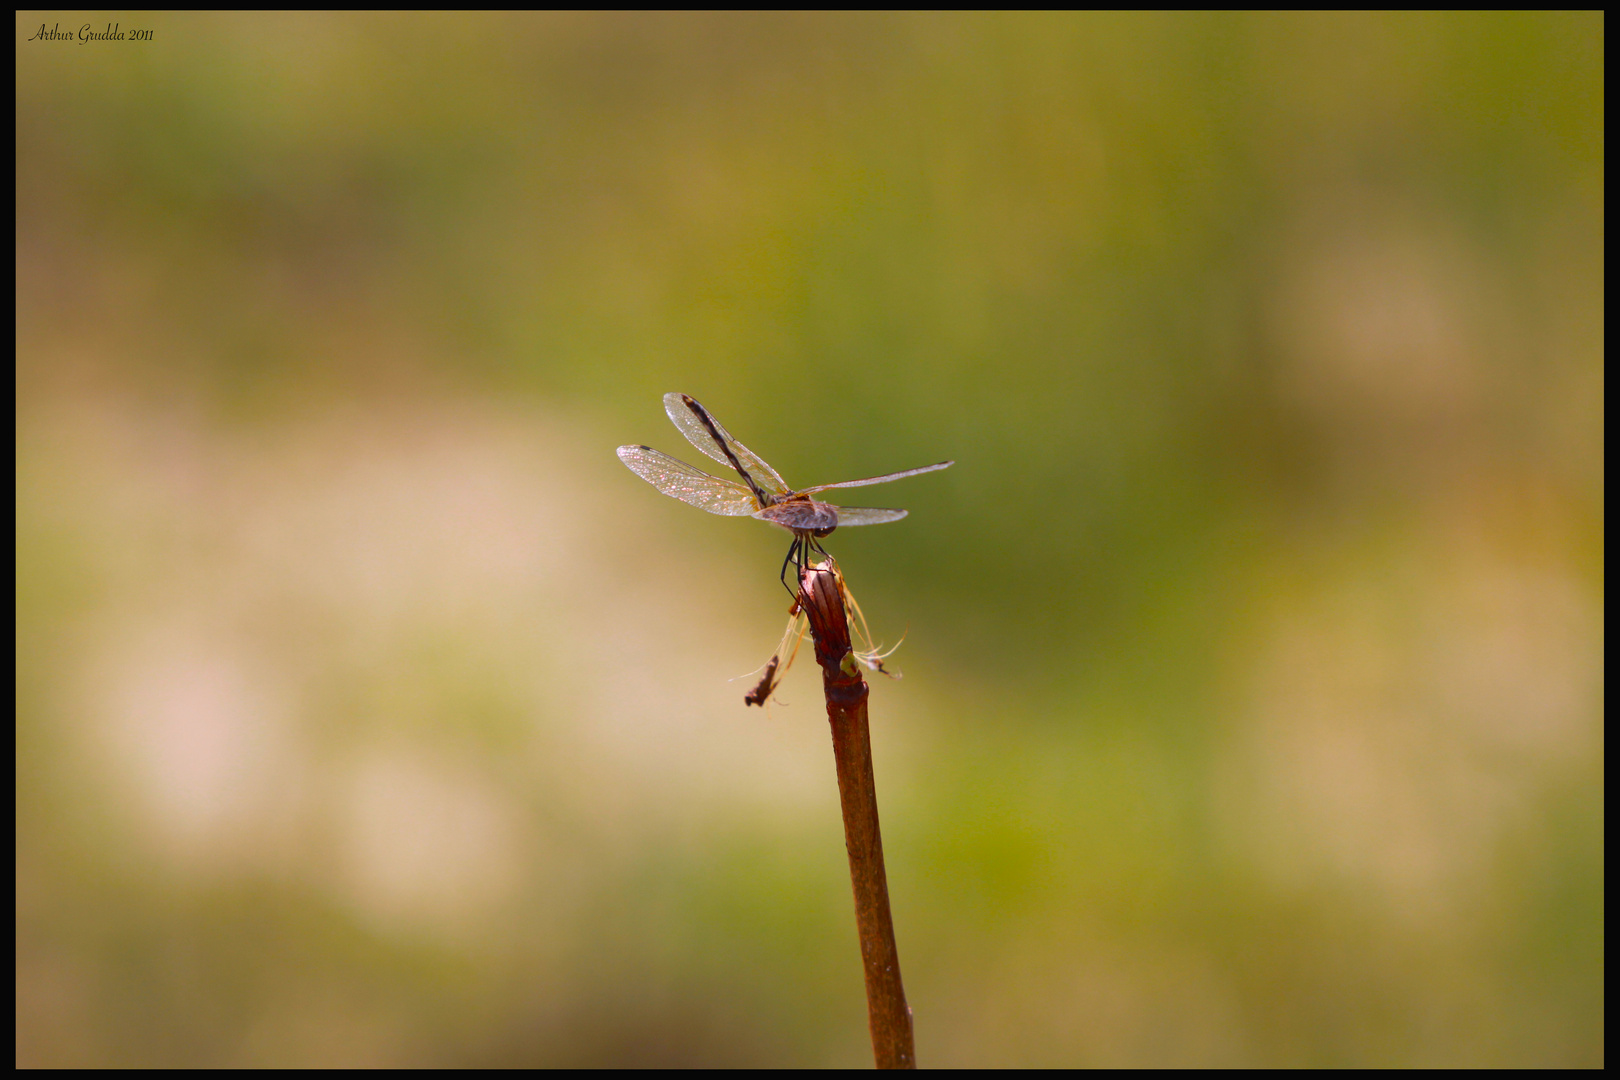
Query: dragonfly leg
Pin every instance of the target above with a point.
(799, 553)
(792, 560)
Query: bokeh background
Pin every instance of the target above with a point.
(369, 712)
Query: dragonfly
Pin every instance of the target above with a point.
(762, 494)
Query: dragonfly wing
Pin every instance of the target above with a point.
(802, 515)
(679, 480)
(688, 417)
(884, 479)
(867, 515)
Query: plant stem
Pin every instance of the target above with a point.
(846, 692)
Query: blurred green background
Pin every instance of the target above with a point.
(369, 712)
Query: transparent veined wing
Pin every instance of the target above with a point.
(689, 419)
(800, 515)
(679, 480)
(867, 515)
(884, 479)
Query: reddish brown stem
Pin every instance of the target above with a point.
(846, 691)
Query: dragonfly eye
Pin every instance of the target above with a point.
(819, 533)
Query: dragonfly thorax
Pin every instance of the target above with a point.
(801, 514)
